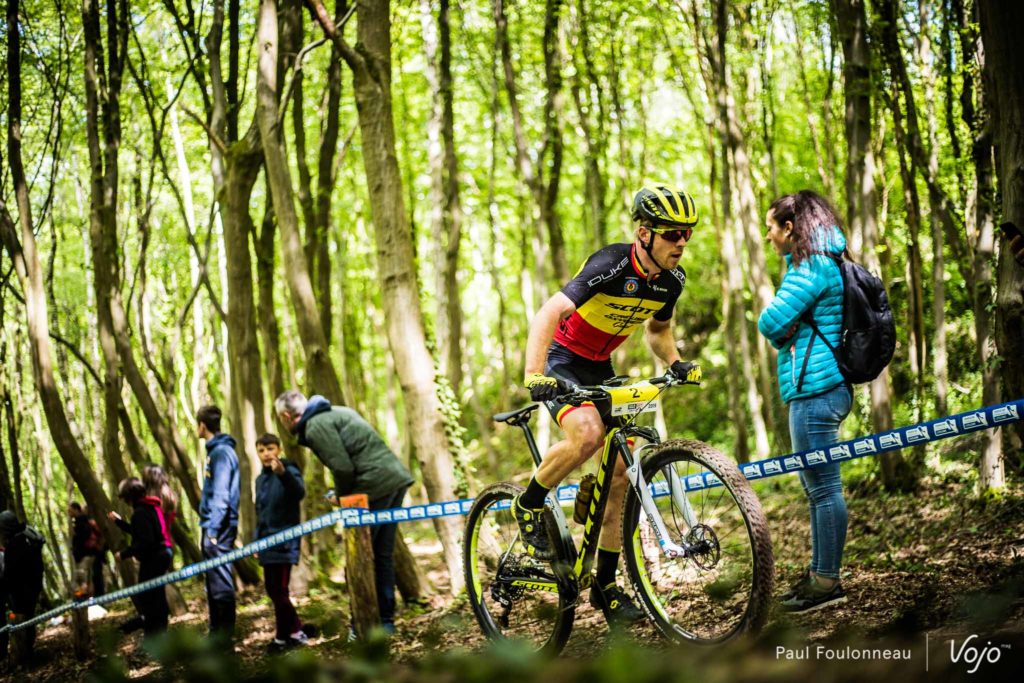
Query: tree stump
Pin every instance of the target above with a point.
(362, 588)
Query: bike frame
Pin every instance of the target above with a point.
(616, 445)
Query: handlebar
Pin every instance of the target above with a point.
(578, 393)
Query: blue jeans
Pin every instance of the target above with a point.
(814, 423)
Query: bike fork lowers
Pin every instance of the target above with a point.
(676, 490)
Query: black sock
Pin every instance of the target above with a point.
(533, 498)
(607, 563)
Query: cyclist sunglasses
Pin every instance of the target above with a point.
(674, 234)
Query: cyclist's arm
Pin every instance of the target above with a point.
(661, 340)
(542, 330)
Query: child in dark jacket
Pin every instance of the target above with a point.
(279, 489)
(150, 547)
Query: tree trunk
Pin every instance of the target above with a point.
(531, 172)
(588, 96)
(450, 344)
(103, 92)
(861, 197)
(925, 58)
(323, 378)
(446, 208)
(1001, 25)
(371, 66)
(26, 263)
(975, 114)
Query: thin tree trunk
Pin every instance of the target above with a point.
(25, 256)
(446, 207)
(370, 62)
(1001, 25)
(531, 172)
(450, 345)
(861, 196)
(975, 114)
(925, 59)
(322, 375)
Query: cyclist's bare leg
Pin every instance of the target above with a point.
(611, 527)
(584, 434)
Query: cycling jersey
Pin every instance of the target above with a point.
(613, 296)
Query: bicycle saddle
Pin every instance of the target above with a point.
(516, 417)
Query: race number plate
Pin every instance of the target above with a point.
(636, 398)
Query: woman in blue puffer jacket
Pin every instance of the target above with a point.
(804, 229)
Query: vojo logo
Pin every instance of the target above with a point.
(631, 286)
(694, 482)
(945, 427)
(772, 467)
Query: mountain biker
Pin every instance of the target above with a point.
(570, 342)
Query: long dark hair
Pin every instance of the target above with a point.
(811, 215)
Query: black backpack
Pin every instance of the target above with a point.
(868, 338)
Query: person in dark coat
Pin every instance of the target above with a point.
(279, 490)
(22, 579)
(218, 517)
(361, 462)
(147, 530)
(88, 549)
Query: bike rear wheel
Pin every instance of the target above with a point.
(722, 588)
(512, 594)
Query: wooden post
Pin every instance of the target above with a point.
(362, 588)
(80, 633)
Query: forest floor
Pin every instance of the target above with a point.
(920, 570)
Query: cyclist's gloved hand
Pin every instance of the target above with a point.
(542, 387)
(687, 371)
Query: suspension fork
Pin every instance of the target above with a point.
(636, 478)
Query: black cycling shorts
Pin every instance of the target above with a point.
(564, 364)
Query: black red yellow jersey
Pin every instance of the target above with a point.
(613, 296)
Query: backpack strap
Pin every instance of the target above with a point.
(808, 318)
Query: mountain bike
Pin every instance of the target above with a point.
(699, 557)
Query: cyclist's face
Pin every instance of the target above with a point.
(668, 243)
(778, 235)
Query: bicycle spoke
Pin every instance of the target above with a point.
(703, 596)
(499, 574)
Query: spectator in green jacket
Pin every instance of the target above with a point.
(361, 462)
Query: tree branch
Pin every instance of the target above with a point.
(355, 61)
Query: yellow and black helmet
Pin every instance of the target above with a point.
(663, 205)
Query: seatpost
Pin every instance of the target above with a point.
(525, 425)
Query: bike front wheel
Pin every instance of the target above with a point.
(512, 594)
(722, 585)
